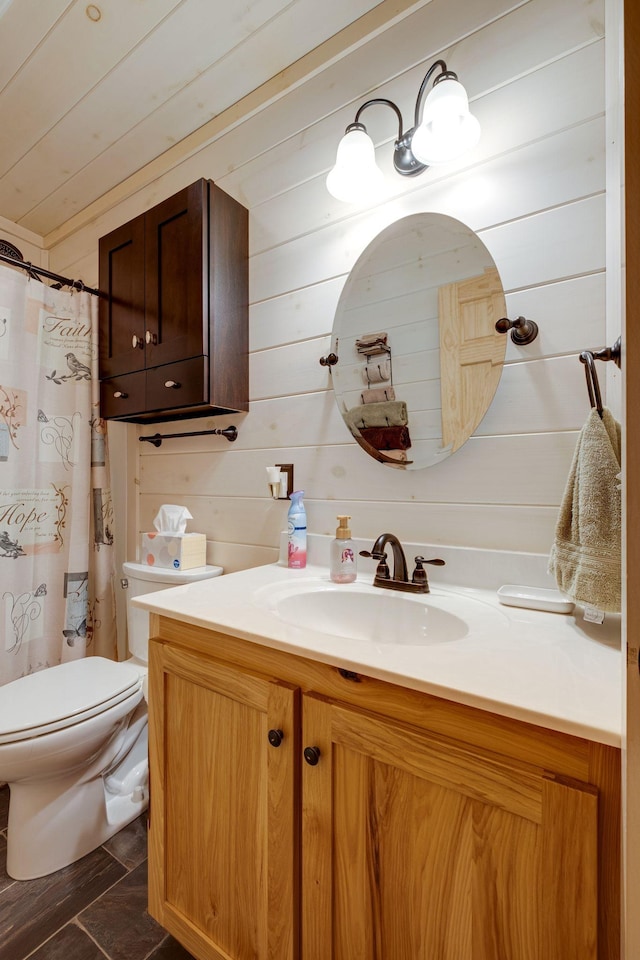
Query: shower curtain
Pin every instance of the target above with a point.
(56, 539)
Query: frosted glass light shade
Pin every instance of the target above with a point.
(447, 128)
(356, 175)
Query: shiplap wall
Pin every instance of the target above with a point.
(534, 190)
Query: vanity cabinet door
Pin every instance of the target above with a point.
(223, 872)
(418, 846)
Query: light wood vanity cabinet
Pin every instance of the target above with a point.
(426, 830)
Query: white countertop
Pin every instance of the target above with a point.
(554, 670)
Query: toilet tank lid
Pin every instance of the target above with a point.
(142, 571)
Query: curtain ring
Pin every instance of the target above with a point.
(31, 270)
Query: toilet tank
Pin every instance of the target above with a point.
(139, 578)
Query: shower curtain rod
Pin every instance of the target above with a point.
(40, 271)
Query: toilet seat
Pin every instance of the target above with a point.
(64, 695)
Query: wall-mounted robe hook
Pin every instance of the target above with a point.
(522, 331)
(329, 360)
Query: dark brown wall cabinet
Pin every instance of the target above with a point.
(174, 310)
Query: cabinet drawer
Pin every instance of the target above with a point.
(122, 396)
(177, 385)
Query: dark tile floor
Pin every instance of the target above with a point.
(92, 910)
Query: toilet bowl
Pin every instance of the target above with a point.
(73, 745)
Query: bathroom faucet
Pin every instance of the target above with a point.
(400, 579)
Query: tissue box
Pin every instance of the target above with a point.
(178, 552)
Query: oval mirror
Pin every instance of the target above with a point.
(419, 358)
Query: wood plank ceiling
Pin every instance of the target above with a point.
(90, 93)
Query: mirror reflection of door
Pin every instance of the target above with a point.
(471, 352)
(392, 298)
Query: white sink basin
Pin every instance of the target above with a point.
(359, 611)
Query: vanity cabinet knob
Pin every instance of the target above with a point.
(120, 395)
(349, 675)
(137, 342)
(275, 737)
(151, 338)
(311, 755)
(172, 384)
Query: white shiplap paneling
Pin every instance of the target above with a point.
(534, 190)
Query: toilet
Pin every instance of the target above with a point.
(73, 744)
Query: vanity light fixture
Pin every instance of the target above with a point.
(442, 130)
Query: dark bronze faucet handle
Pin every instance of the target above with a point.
(420, 574)
(382, 570)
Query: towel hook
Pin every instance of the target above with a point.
(593, 387)
(588, 357)
(523, 331)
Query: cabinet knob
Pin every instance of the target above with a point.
(311, 755)
(137, 342)
(151, 338)
(275, 737)
(172, 384)
(120, 395)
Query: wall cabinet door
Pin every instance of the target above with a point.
(175, 277)
(223, 873)
(417, 846)
(121, 306)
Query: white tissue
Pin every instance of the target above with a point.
(172, 519)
